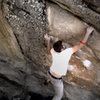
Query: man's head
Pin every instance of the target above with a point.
(59, 46)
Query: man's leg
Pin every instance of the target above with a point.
(58, 87)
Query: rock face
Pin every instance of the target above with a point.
(94, 4)
(22, 52)
(8, 43)
(84, 65)
(80, 9)
(23, 58)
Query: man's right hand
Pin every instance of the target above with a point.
(77, 47)
(90, 30)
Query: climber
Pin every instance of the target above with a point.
(60, 59)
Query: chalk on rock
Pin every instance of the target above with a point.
(71, 67)
(87, 63)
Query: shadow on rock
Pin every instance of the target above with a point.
(32, 96)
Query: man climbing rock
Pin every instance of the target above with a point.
(60, 59)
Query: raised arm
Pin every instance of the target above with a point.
(47, 38)
(88, 32)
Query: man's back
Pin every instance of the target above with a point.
(60, 61)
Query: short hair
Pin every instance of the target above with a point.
(58, 46)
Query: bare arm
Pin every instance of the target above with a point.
(48, 47)
(47, 38)
(88, 32)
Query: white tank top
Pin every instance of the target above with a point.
(60, 61)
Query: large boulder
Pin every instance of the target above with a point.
(23, 58)
(82, 10)
(84, 65)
